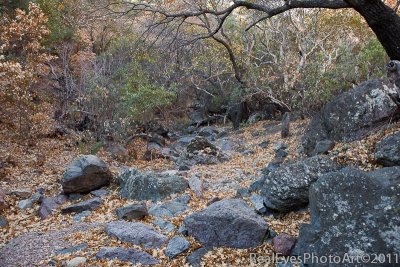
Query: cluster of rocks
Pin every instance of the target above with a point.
(200, 151)
(352, 211)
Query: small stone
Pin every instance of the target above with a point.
(22, 193)
(258, 203)
(280, 154)
(136, 233)
(133, 256)
(194, 259)
(25, 204)
(183, 230)
(3, 221)
(196, 185)
(90, 204)
(132, 212)
(279, 146)
(264, 144)
(75, 262)
(74, 197)
(168, 209)
(164, 225)
(80, 216)
(176, 246)
(248, 152)
(100, 193)
(72, 249)
(49, 204)
(37, 198)
(284, 244)
(270, 236)
(242, 192)
(323, 147)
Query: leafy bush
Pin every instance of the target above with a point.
(55, 10)
(22, 58)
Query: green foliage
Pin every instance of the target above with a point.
(96, 148)
(55, 10)
(141, 97)
(91, 149)
(372, 59)
(10, 6)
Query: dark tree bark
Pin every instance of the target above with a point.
(383, 21)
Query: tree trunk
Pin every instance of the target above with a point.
(383, 21)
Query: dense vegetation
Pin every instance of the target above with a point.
(110, 70)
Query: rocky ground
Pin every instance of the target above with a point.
(41, 166)
(210, 198)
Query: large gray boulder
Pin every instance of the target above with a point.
(85, 174)
(131, 255)
(136, 233)
(388, 151)
(154, 186)
(227, 223)
(286, 188)
(352, 114)
(353, 213)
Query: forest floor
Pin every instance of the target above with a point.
(40, 163)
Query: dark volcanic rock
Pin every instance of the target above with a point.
(3, 221)
(284, 244)
(90, 204)
(71, 249)
(201, 143)
(136, 233)
(164, 225)
(196, 185)
(323, 147)
(85, 174)
(388, 151)
(132, 212)
(49, 204)
(194, 259)
(258, 203)
(201, 152)
(351, 115)
(176, 246)
(286, 188)
(100, 193)
(133, 256)
(168, 209)
(228, 223)
(154, 186)
(354, 213)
